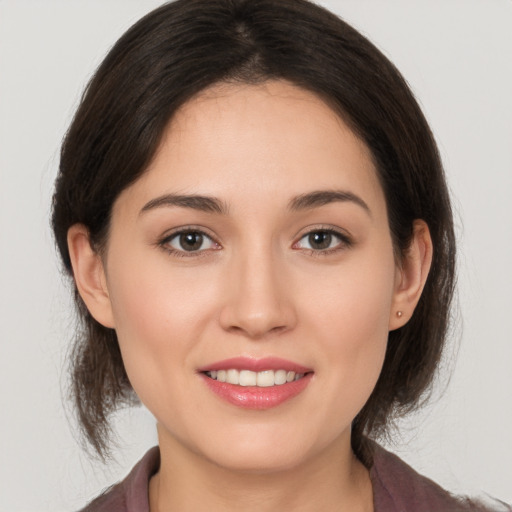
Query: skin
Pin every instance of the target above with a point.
(255, 288)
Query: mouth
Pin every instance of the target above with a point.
(262, 379)
(256, 383)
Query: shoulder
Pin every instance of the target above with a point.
(112, 499)
(131, 494)
(399, 488)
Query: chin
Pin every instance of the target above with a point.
(263, 449)
(256, 460)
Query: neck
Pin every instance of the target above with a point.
(333, 480)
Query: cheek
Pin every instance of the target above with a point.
(147, 309)
(159, 312)
(354, 303)
(152, 302)
(349, 316)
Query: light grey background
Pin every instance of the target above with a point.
(457, 56)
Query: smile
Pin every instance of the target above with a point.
(262, 379)
(259, 384)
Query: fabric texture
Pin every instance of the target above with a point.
(396, 488)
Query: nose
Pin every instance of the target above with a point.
(257, 303)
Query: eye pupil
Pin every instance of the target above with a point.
(320, 239)
(191, 241)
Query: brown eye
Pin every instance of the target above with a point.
(320, 240)
(190, 241)
(323, 241)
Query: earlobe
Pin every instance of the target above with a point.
(89, 275)
(411, 275)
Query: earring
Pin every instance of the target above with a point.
(399, 314)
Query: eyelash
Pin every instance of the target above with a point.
(345, 242)
(164, 243)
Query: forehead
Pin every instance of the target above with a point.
(236, 140)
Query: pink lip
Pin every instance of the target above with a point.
(254, 397)
(256, 365)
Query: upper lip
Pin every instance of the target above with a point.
(255, 365)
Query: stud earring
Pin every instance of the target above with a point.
(399, 314)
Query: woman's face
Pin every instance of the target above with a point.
(257, 240)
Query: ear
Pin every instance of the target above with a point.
(411, 275)
(89, 275)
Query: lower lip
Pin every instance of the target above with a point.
(254, 397)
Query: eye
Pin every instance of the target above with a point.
(323, 240)
(189, 241)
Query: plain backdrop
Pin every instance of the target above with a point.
(457, 57)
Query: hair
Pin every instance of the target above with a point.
(171, 55)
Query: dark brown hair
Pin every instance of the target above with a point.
(180, 49)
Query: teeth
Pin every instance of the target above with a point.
(264, 379)
(232, 376)
(248, 378)
(280, 377)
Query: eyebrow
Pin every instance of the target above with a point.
(324, 197)
(196, 202)
(214, 205)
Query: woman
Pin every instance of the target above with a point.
(255, 215)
